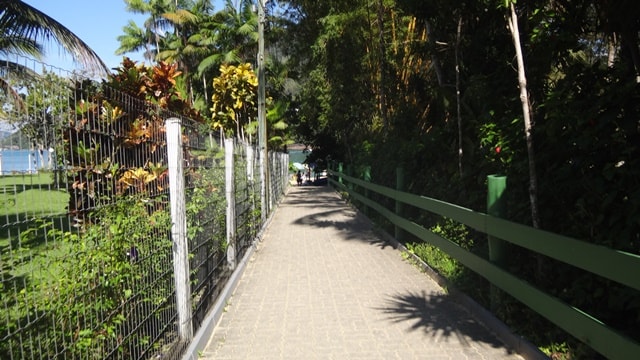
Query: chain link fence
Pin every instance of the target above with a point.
(88, 214)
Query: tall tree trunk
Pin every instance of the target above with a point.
(383, 68)
(459, 111)
(528, 130)
(526, 113)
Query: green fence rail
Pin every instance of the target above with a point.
(615, 265)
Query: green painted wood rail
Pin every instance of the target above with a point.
(615, 265)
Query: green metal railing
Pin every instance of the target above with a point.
(615, 265)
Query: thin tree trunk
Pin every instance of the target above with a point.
(457, 55)
(382, 94)
(157, 37)
(528, 130)
(434, 58)
(206, 93)
(611, 49)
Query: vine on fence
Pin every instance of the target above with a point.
(117, 259)
(103, 270)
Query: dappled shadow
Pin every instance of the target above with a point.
(438, 316)
(323, 220)
(15, 184)
(309, 197)
(330, 211)
(24, 231)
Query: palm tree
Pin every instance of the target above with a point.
(188, 33)
(23, 27)
(137, 39)
(148, 38)
(237, 31)
(228, 37)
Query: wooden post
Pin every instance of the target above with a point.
(179, 228)
(496, 206)
(399, 233)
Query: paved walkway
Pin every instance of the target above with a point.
(323, 285)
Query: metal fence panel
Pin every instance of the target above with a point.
(86, 257)
(86, 263)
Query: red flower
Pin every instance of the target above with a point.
(498, 149)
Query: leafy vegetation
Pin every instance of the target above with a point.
(429, 86)
(208, 46)
(432, 87)
(77, 288)
(24, 28)
(234, 99)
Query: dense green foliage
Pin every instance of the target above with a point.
(203, 42)
(432, 87)
(381, 88)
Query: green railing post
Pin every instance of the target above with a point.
(496, 206)
(340, 172)
(366, 176)
(399, 233)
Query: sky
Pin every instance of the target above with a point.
(97, 22)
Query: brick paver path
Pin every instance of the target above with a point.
(323, 285)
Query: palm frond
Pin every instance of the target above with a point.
(15, 70)
(181, 17)
(23, 20)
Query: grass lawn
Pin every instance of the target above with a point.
(26, 248)
(44, 178)
(27, 196)
(24, 199)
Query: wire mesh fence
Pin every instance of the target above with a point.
(87, 263)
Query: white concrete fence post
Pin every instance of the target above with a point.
(249, 155)
(179, 227)
(231, 203)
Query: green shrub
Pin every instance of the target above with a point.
(94, 282)
(440, 261)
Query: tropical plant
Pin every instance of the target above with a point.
(121, 163)
(23, 28)
(149, 37)
(234, 99)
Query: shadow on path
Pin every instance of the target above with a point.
(439, 316)
(332, 212)
(435, 314)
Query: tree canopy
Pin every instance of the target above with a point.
(544, 92)
(433, 87)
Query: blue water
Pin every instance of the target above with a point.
(12, 161)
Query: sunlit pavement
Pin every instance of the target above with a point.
(323, 285)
